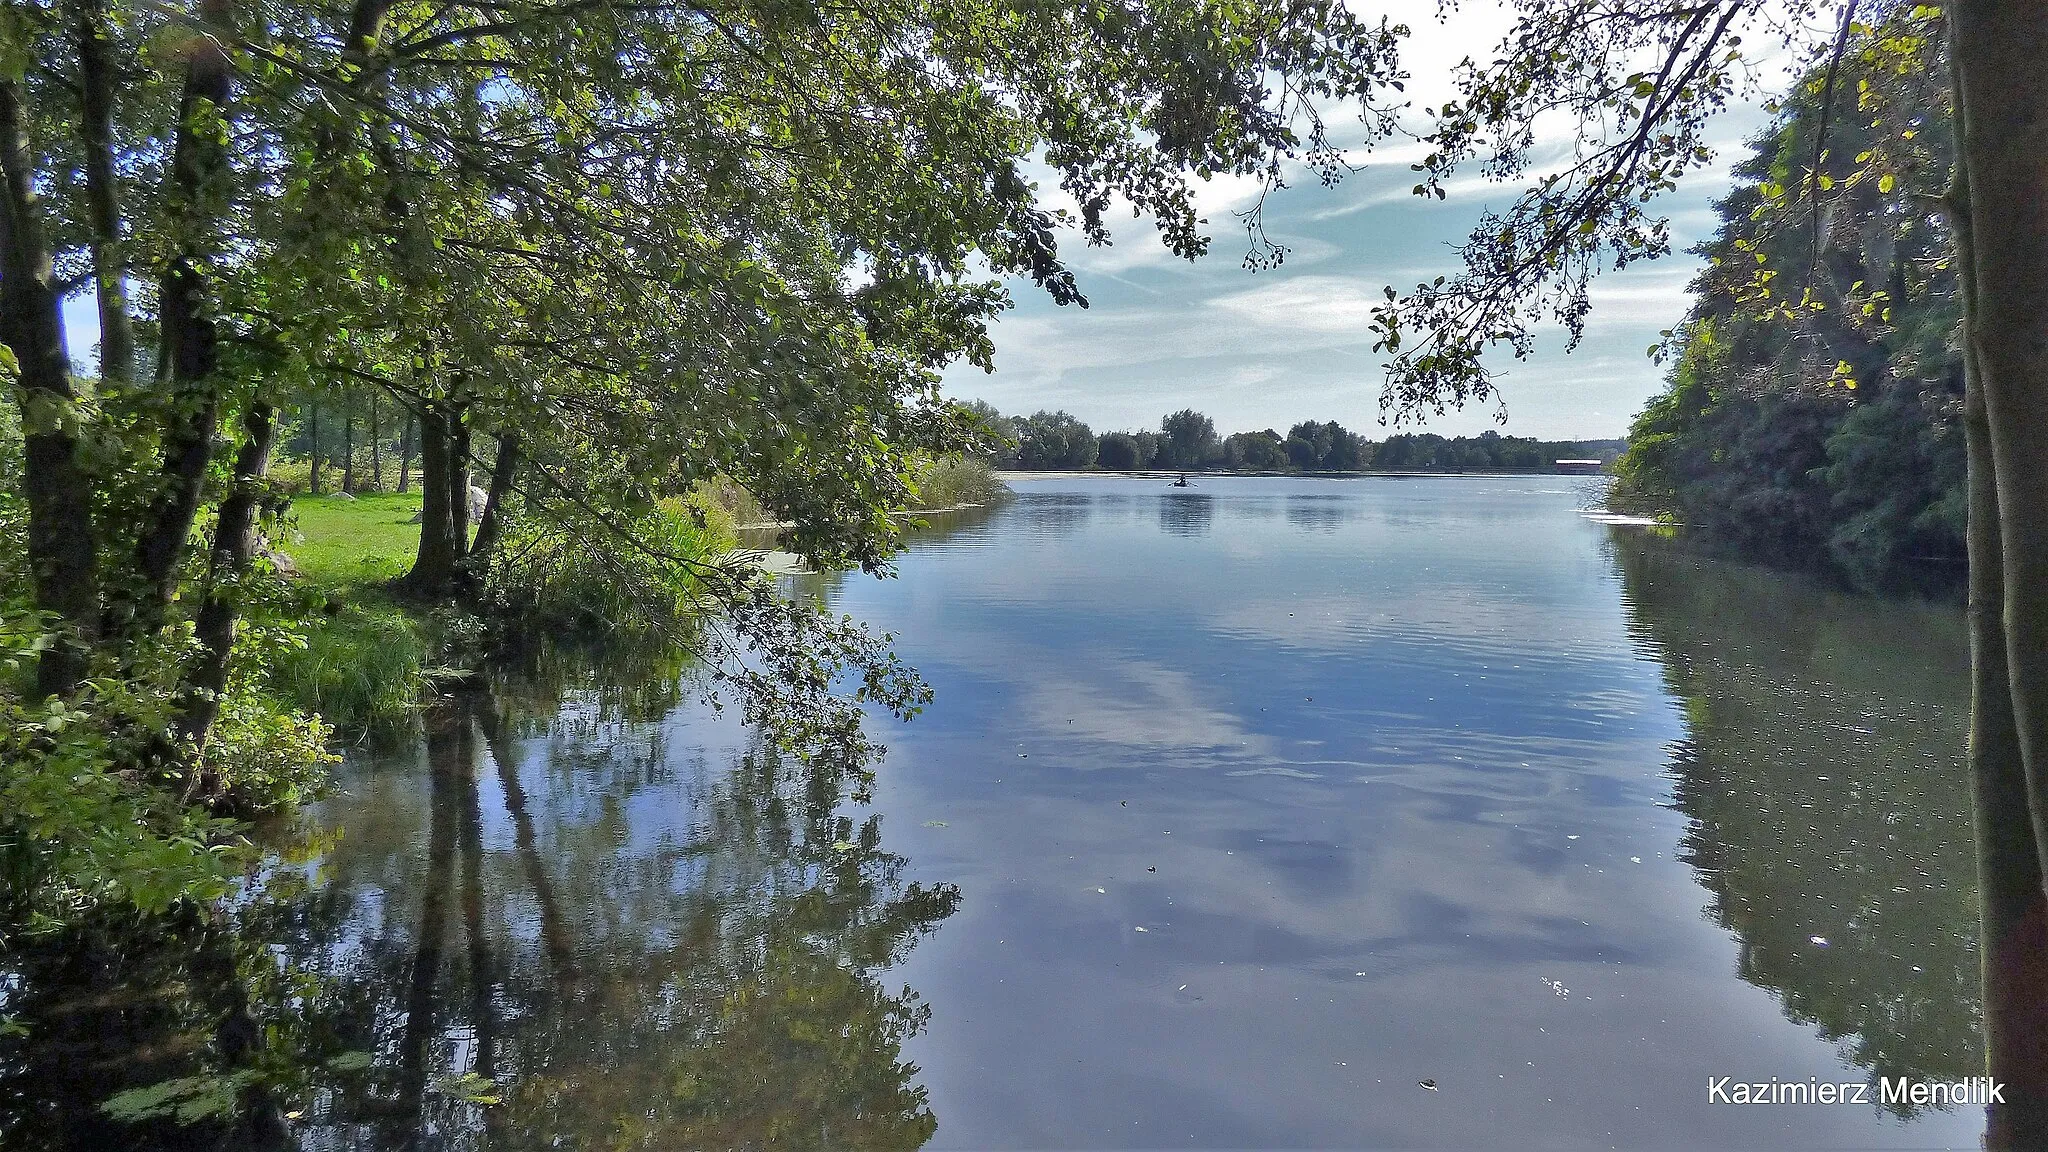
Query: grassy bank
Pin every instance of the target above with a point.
(367, 657)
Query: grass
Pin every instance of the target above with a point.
(350, 544)
(364, 666)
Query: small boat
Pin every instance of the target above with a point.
(1181, 483)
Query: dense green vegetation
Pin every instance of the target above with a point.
(1187, 441)
(585, 265)
(1824, 435)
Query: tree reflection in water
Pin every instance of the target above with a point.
(1823, 772)
(583, 966)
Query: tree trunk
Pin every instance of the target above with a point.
(313, 448)
(61, 554)
(405, 441)
(2001, 104)
(96, 75)
(234, 548)
(2012, 911)
(433, 567)
(190, 342)
(458, 476)
(376, 447)
(491, 525)
(348, 451)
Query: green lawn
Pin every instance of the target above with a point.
(341, 542)
(364, 660)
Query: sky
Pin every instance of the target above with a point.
(1268, 349)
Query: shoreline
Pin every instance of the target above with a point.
(1012, 475)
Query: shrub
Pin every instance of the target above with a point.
(957, 481)
(578, 575)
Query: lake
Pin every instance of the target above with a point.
(1410, 812)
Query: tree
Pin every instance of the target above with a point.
(1048, 440)
(610, 253)
(1254, 451)
(1835, 440)
(1640, 92)
(1150, 444)
(1327, 446)
(1118, 451)
(1187, 440)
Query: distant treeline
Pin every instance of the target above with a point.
(1813, 414)
(1187, 441)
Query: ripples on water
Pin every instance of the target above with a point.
(1242, 811)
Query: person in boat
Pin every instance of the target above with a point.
(1181, 483)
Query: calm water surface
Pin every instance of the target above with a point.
(1244, 813)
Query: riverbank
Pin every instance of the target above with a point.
(369, 659)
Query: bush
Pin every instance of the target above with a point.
(577, 575)
(85, 823)
(736, 503)
(957, 481)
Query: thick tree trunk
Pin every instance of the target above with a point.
(190, 342)
(458, 476)
(61, 552)
(2002, 120)
(2013, 945)
(96, 76)
(433, 568)
(234, 549)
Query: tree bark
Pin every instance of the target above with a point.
(2001, 108)
(96, 74)
(433, 568)
(2012, 911)
(190, 342)
(491, 525)
(458, 475)
(61, 553)
(234, 548)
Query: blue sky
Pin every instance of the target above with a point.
(1267, 349)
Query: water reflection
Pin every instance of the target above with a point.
(1830, 806)
(1186, 513)
(1261, 827)
(1320, 511)
(1054, 513)
(544, 927)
